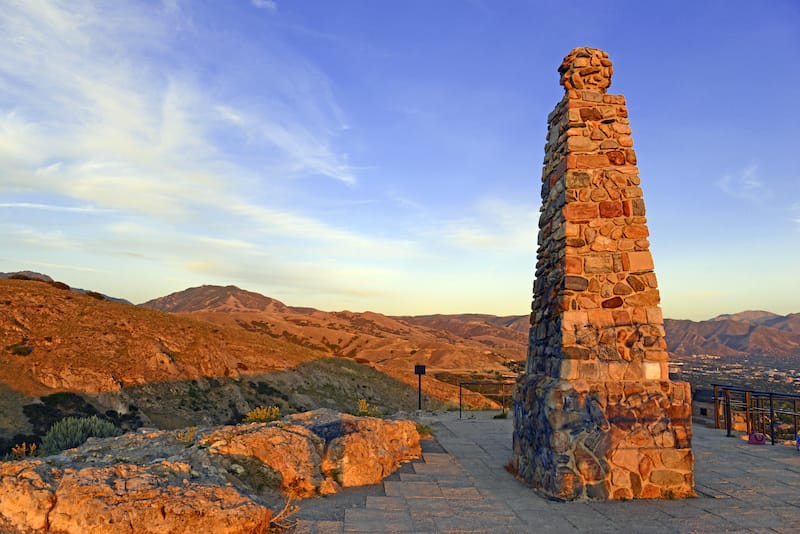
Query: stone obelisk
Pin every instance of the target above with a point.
(596, 416)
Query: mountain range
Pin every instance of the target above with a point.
(209, 354)
(750, 333)
(392, 344)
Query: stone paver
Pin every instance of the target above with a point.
(741, 488)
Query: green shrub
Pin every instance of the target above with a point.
(364, 409)
(73, 431)
(263, 414)
(424, 431)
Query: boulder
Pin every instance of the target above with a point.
(295, 452)
(361, 450)
(26, 493)
(199, 480)
(146, 499)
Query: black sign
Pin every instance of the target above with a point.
(419, 369)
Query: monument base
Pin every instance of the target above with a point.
(581, 439)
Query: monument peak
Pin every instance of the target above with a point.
(586, 68)
(596, 415)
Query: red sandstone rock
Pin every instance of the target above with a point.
(635, 231)
(293, 451)
(573, 265)
(637, 261)
(611, 209)
(580, 210)
(371, 453)
(590, 114)
(127, 484)
(134, 499)
(125, 498)
(26, 495)
(598, 263)
(586, 161)
(615, 157)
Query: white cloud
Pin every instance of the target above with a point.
(19, 237)
(796, 212)
(101, 114)
(51, 207)
(82, 85)
(269, 5)
(80, 268)
(745, 184)
(123, 134)
(496, 225)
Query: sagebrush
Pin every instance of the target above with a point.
(364, 409)
(73, 431)
(263, 414)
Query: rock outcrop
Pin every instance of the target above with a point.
(220, 479)
(360, 450)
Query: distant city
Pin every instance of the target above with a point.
(779, 374)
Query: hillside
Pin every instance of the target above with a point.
(209, 354)
(143, 366)
(392, 345)
(215, 299)
(501, 333)
(736, 335)
(787, 323)
(63, 340)
(753, 333)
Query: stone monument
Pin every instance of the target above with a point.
(596, 416)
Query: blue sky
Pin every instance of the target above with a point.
(386, 155)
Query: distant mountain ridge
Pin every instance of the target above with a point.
(389, 343)
(740, 334)
(210, 298)
(752, 332)
(29, 274)
(33, 275)
(755, 333)
(787, 323)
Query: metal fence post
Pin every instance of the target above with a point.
(728, 411)
(771, 420)
(459, 400)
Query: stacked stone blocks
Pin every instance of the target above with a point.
(596, 414)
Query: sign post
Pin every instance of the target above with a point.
(419, 370)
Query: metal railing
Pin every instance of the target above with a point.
(503, 389)
(768, 412)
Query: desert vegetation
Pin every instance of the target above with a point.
(73, 431)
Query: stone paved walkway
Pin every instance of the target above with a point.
(465, 488)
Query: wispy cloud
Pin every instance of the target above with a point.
(269, 5)
(746, 184)
(102, 114)
(51, 207)
(74, 101)
(18, 237)
(495, 225)
(80, 268)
